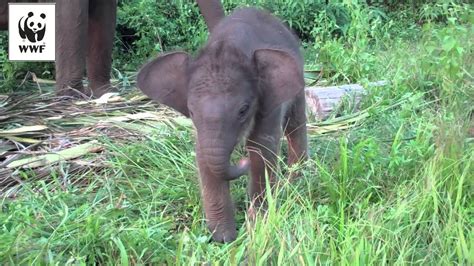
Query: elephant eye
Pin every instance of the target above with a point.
(243, 111)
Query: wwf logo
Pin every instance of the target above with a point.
(31, 31)
(32, 27)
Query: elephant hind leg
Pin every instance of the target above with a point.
(71, 39)
(102, 16)
(295, 131)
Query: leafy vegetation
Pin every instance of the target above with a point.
(395, 189)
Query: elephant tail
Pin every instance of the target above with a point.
(212, 11)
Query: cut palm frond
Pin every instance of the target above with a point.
(40, 133)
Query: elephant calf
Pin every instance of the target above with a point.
(247, 81)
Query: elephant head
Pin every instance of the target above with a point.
(223, 90)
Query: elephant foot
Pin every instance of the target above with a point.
(222, 234)
(295, 169)
(76, 90)
(252, 214)
(294, 175)
(256, 207)
(98, 89)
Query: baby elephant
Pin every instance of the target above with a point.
(247, 82)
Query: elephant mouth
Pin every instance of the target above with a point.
(238, 170)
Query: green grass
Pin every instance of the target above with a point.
(396, 189)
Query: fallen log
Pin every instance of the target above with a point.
(321, 101)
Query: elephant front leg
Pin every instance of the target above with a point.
(263, 147)
(71, 40)
(102, 16)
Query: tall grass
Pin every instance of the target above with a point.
(397, 189)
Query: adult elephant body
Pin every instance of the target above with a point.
(85, 32)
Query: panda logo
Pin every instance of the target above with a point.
(32, 27)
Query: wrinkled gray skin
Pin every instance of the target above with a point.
(247, 81)
(85, 32)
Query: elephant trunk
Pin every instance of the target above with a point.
(218, 161)
(216, 171)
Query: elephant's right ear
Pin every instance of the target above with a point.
(164, 80)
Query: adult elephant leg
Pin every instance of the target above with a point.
(3, 15)
(212, 12)
(71, 40)
(102, 16)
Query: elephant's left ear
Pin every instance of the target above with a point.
(280, 77)
(164, 80)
